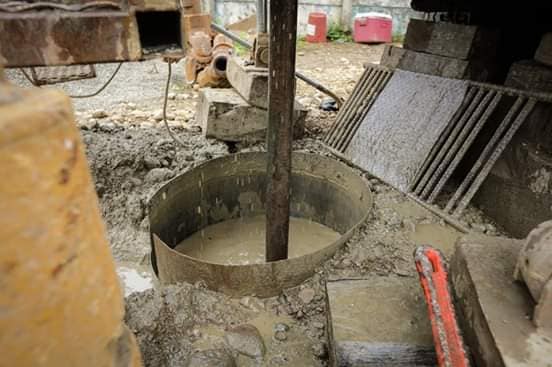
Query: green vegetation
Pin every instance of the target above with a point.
(239, 50)
(398, 38)
(337, 33)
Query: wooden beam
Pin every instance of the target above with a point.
(281, 95)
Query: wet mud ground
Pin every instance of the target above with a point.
(131, 156)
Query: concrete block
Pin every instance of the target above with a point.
(544, 52)
(249, 81)
(446, 67)
(225, 115)
(378, 321)
(495, 310)
(451, 40)
(530, 75)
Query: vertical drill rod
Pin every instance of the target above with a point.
(281, 96)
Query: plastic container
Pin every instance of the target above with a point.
(373, 28)
(317, 27)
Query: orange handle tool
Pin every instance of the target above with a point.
(449, 345)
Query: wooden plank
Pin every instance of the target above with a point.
(378, 321)
(446, 67)
(530, 75)
(385, 354)
(451, 40)
(281, 95)
(544, 52)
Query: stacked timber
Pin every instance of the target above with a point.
(240, 113)
(447, 50)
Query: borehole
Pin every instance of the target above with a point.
(215, 234)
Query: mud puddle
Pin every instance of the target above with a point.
(242, 241)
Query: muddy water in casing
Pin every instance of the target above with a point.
(242, 241)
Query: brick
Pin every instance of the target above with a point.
(249, 81)
(225, 115)
(458, 41)
(446, 67)
(544, 52)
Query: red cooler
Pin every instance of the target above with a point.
(373, 28)
(317, 28)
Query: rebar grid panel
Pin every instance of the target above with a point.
(479, 104)
(348, 120)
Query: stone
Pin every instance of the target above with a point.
(544, 51)
(280, 336)
(319, 350)
(194, 333)
(158, 175)
(246, 339)
(306, 295)
(171, 96)
(490, 229)
(158, 115)
(376, 320)
(499, 329)
(318, 325)
(281, 327)
(479, 227)
(409, 225)
(211, 358)
(452, 40)
(151, 162)
(89, 124)
(252, 303)
(99, 114)
(446, 67)
(250, 82)
(224, 115)
(530, 75)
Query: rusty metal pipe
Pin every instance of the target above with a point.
(214, 74)
(313, 83)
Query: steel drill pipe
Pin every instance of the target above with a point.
(281, 99)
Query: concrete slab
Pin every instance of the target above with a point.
(249, 81)
(530, 75)
(544, 52)
(446, 67)
(451, 40)
(224, 115)
(378, 321)
(494, 310)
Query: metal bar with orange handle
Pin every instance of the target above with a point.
(449, 344)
